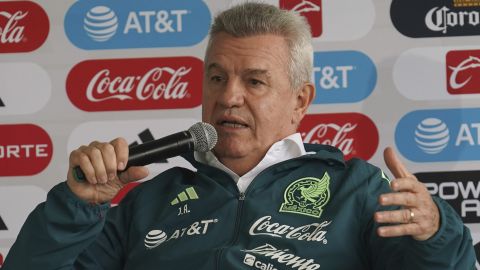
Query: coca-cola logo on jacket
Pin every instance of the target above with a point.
(353, 133)
(24, 26)
(25, 149)
(463, 72)
(136, 84)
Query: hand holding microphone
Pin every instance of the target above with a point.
(98, 171)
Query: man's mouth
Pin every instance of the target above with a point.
(233, 124)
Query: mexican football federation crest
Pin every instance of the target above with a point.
(307, 196)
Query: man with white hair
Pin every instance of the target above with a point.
(261, 199)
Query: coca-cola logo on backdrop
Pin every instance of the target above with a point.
(24, 26)
(24, 149)
(463, 72)
(136, 84)
(353, 133)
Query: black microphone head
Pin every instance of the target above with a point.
(204, 136)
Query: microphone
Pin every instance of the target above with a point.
(200, 137)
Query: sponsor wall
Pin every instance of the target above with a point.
(402, 73)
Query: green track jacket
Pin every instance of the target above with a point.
(311, 212)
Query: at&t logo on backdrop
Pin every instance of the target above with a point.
(109, 24)
(439, 135)
(343, 76)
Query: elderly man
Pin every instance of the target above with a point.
(261, 199)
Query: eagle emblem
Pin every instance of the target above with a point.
(307, 196)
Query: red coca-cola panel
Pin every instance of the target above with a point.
(353, 133)
(136, 84)
(25, 149)
(310, 9)
(463, 72)
(123, 192)
(24, 26)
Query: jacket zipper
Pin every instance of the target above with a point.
(241, 199)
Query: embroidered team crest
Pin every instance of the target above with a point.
(307, 196)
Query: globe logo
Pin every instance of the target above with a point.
(100, 23)
(154, 238)
(432, 136)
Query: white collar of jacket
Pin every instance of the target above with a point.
(288, 148)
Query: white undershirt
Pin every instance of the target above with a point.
(288, 148)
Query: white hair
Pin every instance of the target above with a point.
(250, 19)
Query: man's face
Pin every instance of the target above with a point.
(247, 95)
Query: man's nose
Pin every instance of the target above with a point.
(233, 94)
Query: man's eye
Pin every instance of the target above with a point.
(256, 82)
(216, 78)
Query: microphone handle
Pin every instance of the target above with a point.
(152, 151)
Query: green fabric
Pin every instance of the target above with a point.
(312, 212)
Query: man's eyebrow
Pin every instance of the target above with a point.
(255, 71)
(249, 71)
(214, 66)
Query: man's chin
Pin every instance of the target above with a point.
(230, 151)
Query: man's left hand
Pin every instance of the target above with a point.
(418, 216)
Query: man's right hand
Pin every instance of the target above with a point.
(100, 163)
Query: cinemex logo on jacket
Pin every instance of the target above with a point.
(116, 24)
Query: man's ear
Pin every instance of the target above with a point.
(304, 97)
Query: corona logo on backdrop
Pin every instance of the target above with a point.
(439, 135)
(463, 72)
(24, 26)
(310, 9)
(353, 133)
(116, 24)
(466, 3)
(433, 18)
(25, 149)
(136, 84)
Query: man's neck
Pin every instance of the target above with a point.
(243, 165)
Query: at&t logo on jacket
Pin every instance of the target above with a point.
(156, 237)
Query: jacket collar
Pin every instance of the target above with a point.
(325, 153)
